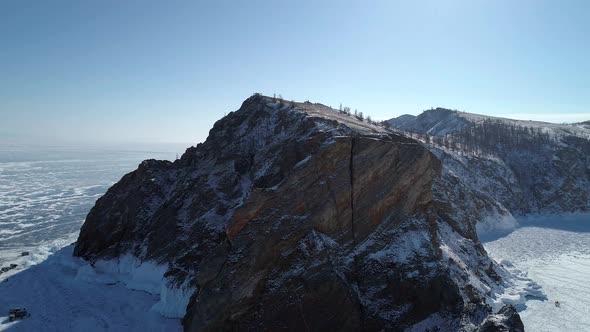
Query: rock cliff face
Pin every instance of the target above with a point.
(297, 217)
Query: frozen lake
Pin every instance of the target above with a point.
(555, 252)
(46, 191)
(45, 194)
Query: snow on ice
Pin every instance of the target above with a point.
(59, 299)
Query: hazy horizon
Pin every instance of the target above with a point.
(143, 72)
(159, 146)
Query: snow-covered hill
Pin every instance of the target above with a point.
(442, 121)
(497, 170)
(437, 122)
(507, 166)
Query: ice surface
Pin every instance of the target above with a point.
(59, 300)
(554, 251)
(46, 192)
(518, 288)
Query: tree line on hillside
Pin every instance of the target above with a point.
(490, 135)
(361, 117)
(342, 110)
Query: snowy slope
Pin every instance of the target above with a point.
(539, 179)
(493, 174)
(556, 129)
(442, 121)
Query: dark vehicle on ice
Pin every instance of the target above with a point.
(17, 313)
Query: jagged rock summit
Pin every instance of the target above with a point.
(297, 217)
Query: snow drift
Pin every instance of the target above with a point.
(144, 276)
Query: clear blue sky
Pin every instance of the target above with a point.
(165, 71)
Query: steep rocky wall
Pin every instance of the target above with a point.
(296, 245)
(295, 218)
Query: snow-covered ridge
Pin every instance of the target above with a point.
(477, 118)
(520, 167)
(441, 122)
(547, 176)
(435, 122)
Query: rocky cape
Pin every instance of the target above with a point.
(297, 217)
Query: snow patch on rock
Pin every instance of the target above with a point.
(462, 258)
(413, 244)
